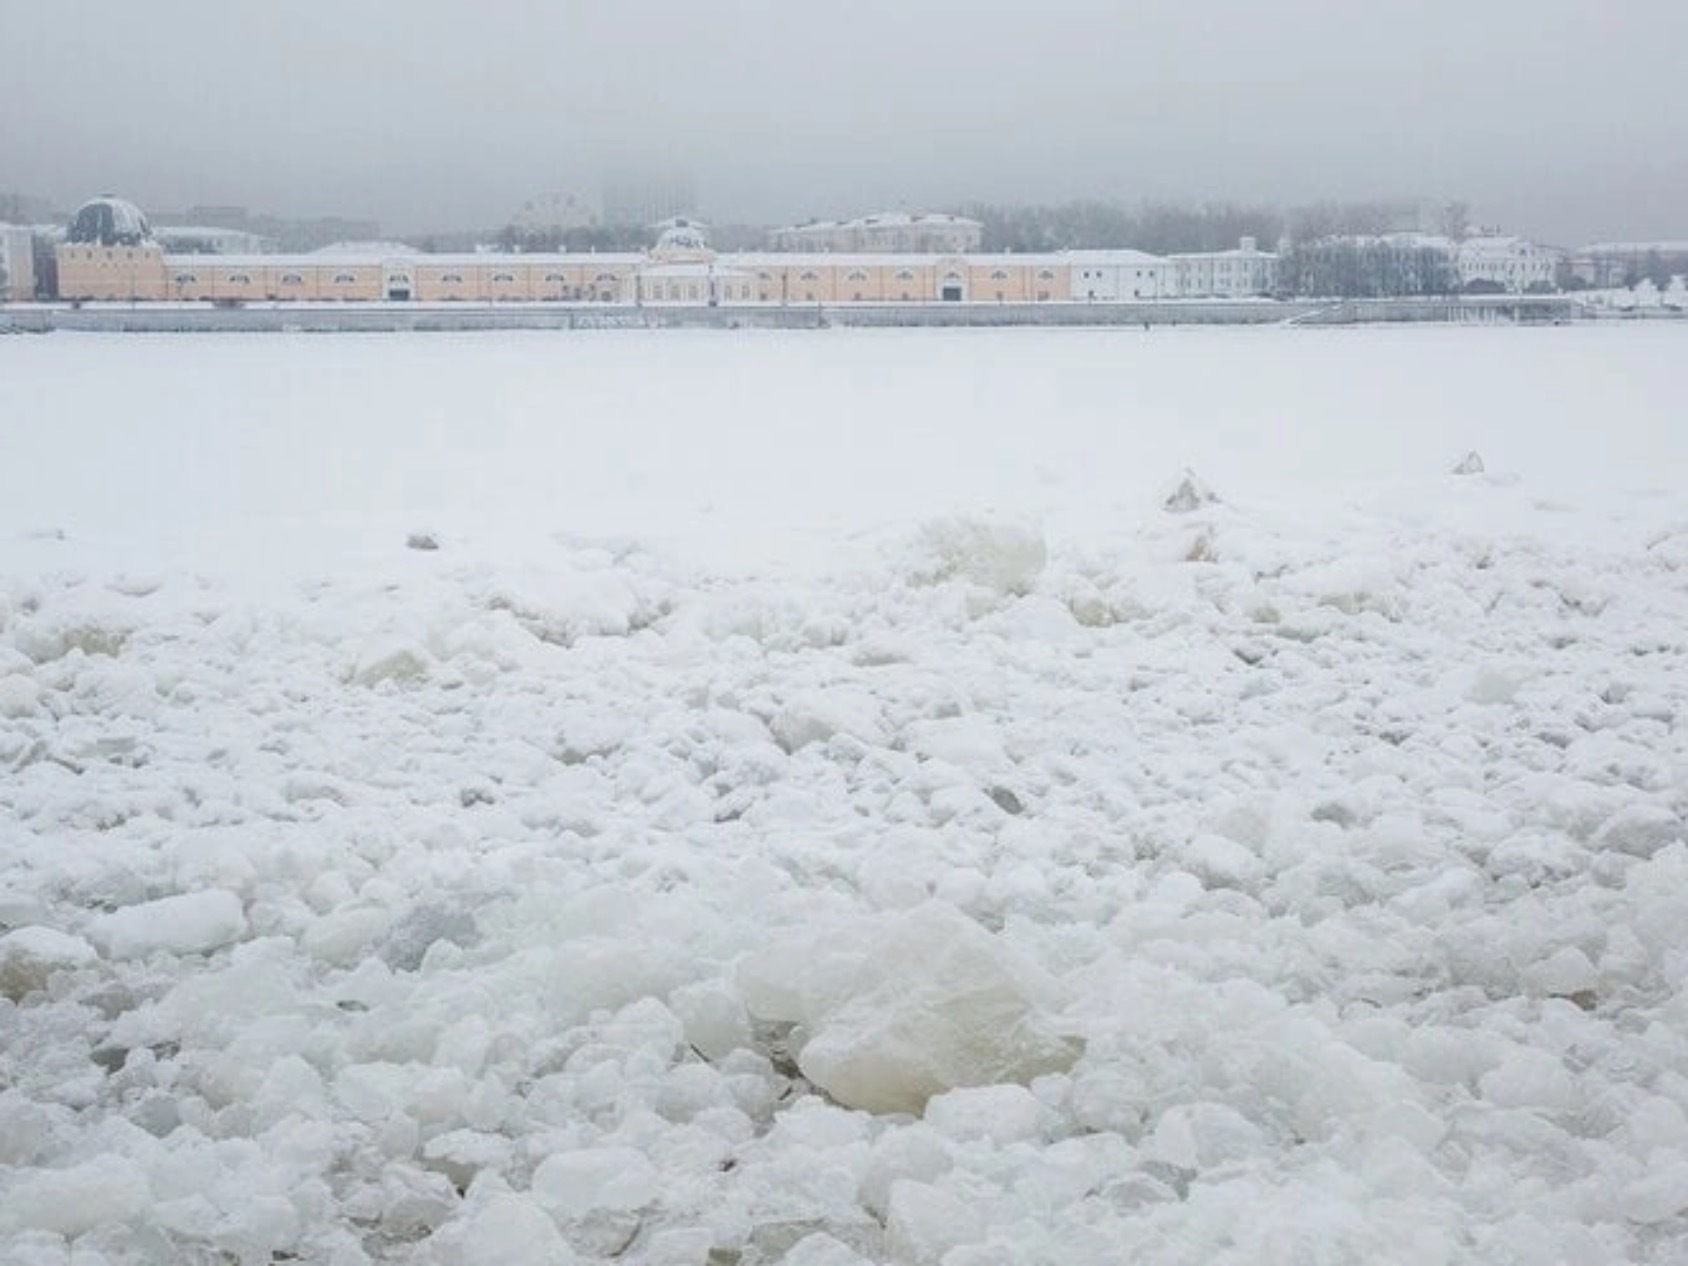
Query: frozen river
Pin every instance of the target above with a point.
(844, 797)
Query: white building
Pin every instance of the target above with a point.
(889, 233)
(205, 239)
(1244, 273)
(1514, 264)
(1120, 276)
(17, 264)
(1617, 263)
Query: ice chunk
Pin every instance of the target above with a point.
(814, 716)
(1000, 556)
(713, 1017)
(1221, 863)
(925, 1222)
(510, 1230)
(1660, 1196)
(917, 1153)
(388, 661)
(30, 955)
(1199, 1135)
(574, 1184)
(19, 696)
(100, 1192)
(821, 1249)
(1530, 1078)
(1565, 973)
(1639, 830)
(1470, 464)
(190, 923)
(1187, 494)
(995, 1114)
(344, 936)
(682, 1246)
(931, 1002)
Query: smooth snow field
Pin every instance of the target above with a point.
(840, 797)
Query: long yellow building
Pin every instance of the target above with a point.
(110, 255)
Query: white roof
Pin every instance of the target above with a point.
(407, 256)
(378, 253)
(364, 250)
(1634, 248)
(889, 219)
(1103, 256)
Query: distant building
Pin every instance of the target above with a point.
(216, 230)
(1242, 273)
(109, 252)
(1510, 264)
(208, 239)
(1607, 264)
(1101, 276)
(22, 208)
(17, 264)
(895, 233)
(112, 254)
(109, 221)
(556, 213)
(218, 216)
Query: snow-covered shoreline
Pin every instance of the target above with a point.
(1295, 876)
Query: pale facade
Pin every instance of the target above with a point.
(17, 264)
(893, 233)
(1245, 273)
(681, 270)
(1119, 276)
(1512, 263)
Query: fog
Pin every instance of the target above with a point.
(1558, 118)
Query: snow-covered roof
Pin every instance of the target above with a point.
(405, 255)
(1634, 248)
(1404, 240)
(1106, 256)
(109, 221)
(889, 219)
(893, 259)
(1233, 253)
(364, 250)
(682, 236)
(376, 253)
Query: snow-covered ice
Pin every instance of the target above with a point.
(945, 798)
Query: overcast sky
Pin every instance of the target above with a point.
(1559, 118)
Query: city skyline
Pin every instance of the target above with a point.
(1551, 118)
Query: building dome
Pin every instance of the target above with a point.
(682, 239)
(109, 221)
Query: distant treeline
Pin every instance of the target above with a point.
(1165, 228)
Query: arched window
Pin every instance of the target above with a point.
(857, 274)
(452, 279)
(292, 279)
(905, 275)
(1001, 274)
(1045, 274)
(186, 279)
(240, 279)
(808, 274)
(503, 277)
(344, 279)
